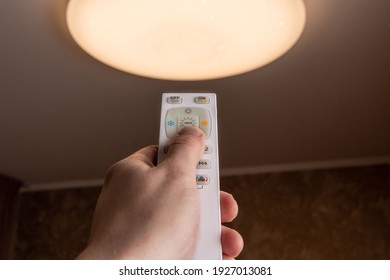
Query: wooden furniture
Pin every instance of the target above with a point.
(9, 190)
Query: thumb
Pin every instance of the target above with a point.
(185, 151)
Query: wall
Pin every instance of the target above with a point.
(323, 214)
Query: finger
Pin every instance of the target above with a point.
(185, 151)
(229, 207)
(228, 258)
(232, 242)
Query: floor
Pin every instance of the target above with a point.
(323, 214)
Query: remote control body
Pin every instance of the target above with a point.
(179, 110)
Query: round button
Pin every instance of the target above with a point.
(188, 111)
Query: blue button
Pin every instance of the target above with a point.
(171, 123)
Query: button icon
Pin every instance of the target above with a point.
(202, 180)
(204, 164)
(174, 100)
(208, 149)
(204, 123)
(171, 123)
(202, 100)
(188, 120)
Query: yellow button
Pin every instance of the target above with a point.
(204, 123)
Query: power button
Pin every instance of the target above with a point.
(202, 100)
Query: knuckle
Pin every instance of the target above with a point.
(112, 172)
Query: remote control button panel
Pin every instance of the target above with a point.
(197, 110)
(179, 118)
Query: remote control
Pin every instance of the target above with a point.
(179, 110)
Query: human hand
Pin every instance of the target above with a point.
(152, 212)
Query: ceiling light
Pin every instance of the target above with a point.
(186, 39)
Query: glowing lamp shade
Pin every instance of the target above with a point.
(186, 39)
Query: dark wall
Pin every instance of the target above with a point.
(324, 214)
(328, 214)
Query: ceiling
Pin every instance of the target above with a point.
(65, 116)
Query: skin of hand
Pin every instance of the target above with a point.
(152, 212)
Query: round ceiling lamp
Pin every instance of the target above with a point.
(186, 39)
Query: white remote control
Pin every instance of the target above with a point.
(179, 110)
